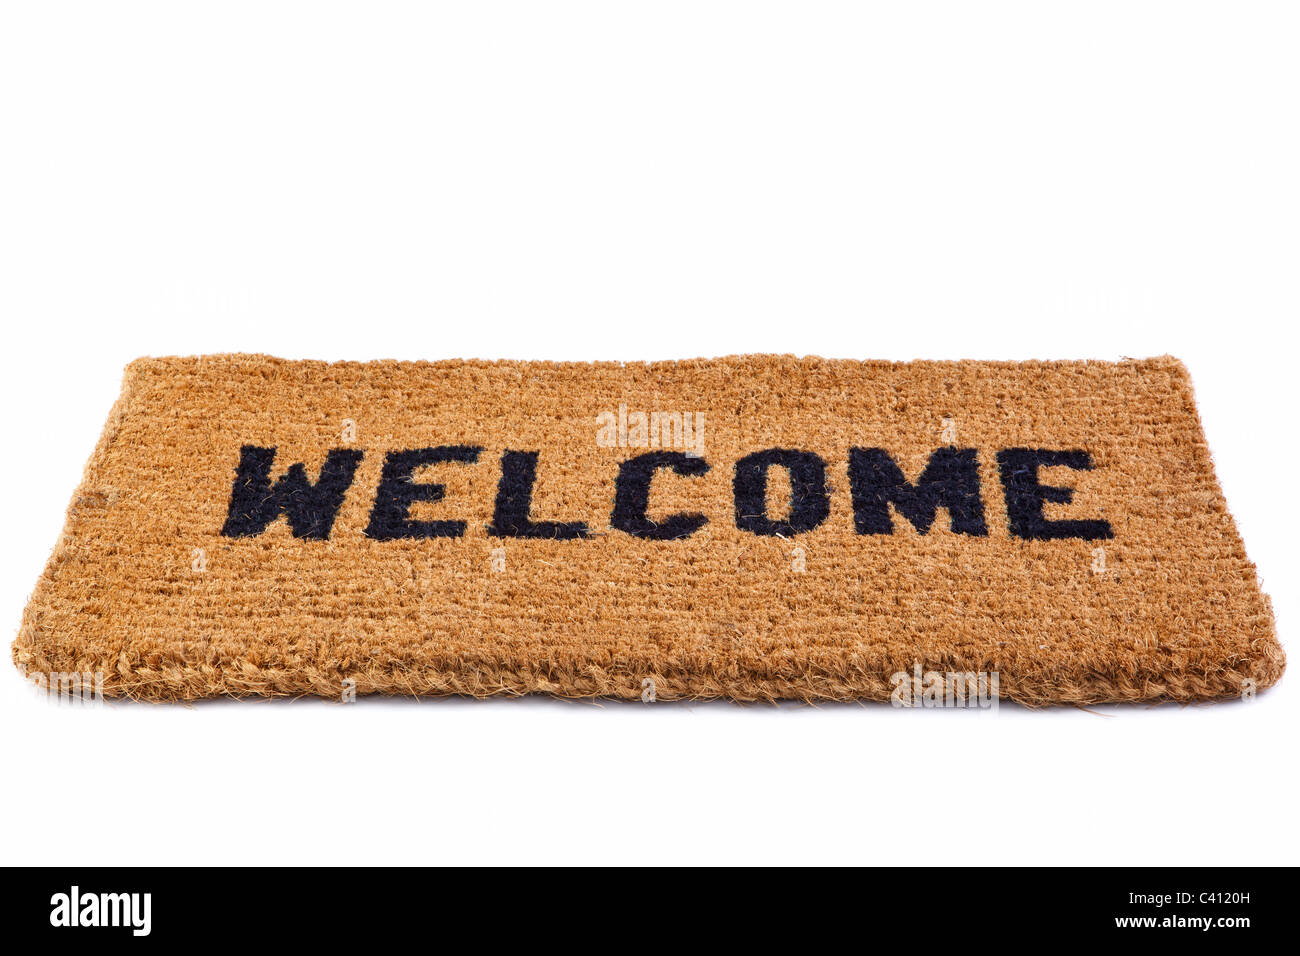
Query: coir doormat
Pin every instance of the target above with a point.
(755, 528)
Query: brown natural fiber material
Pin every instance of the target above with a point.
(162, 583)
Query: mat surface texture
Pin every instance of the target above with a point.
(755, 528)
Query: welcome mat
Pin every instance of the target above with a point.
(754, 527)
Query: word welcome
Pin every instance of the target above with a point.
(102, 909)
(949, 481)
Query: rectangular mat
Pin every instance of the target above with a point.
(755, 527)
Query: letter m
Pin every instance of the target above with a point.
(950, 480)
(666, 430)
(310, 508)
(115, 909)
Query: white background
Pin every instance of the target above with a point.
(643, 181)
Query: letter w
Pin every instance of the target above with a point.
(311, 509)
(951, 480)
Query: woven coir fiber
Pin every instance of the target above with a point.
(755, 527)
